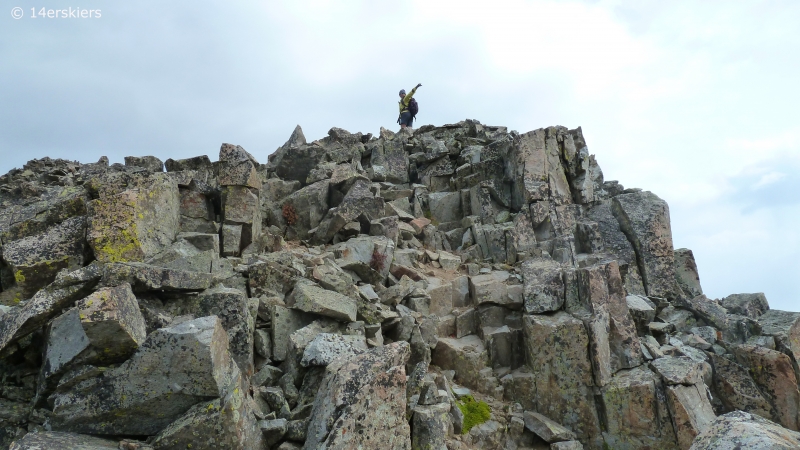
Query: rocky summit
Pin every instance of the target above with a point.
(454, 287)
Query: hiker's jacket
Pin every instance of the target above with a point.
(406, 100)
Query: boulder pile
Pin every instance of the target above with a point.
(452, 287)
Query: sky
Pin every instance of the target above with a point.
(694, 101)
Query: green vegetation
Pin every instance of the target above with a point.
(475, 412)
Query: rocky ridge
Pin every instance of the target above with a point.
(356, 291)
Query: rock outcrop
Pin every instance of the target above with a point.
(454, 287)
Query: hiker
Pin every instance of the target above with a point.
(408, 108)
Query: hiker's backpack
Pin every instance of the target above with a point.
(413, 107)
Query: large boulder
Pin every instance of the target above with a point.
(445, 207)
(195, 252)
(636, 411)
(557, 350)
(773, 373)
(233, 310)
(285, 322)
(304, 208)
(174, 369)
(274, 274)
(311, 298)
(617, 245)
(736, 389)
(359, 203)
(491, 288)
(35, 260)
(136, 222)
(750, 305)
(237, 167)
(370, 257)
(429, 425)
(536, 169)
(361, 402)
(612, 331)
(388, 160)
(228, 422)
(546, 429)
(55, 440)
(784, 326)
(644, 218)
(466, 356)
(742, 430)
(49, 209)
(543, 286)
(144, 277)
(690, 410)
(326, 347)
(686, 272)
(241, 209)
(47, 303)
(104, 328)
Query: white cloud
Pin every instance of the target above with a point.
(767, 179)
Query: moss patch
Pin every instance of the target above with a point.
(475, 412)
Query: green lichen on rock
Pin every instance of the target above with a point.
(475, 412)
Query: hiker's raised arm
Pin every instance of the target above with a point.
(408, 96)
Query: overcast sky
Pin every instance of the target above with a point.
(695, 101)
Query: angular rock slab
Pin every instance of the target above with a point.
(137, 223)
(310, 205)
(543, 286)
(785, 327)
(144, 277)
(491, 288)
(566, 445)
(227, 422)
(193, 252)
(311, 298)
(361, 402)
(174, 369)
(691, 412)
(105, 327)
(112, 320)
(233, 310)
(54, 440)
(612, 329)
(547, 429)
(285, 321)
(274, 275)
(678, 370)
(773, 373)
(35, 260)
(557, 349)
(359, 255)
(636, 411)
(47, 303)
(359, 201)
(741, 430)
(736, 389)
(326, 347)
(644, 218)
(241, 206)
(430, 424)
(237, 167)
(686, 272)
(536, 170)
(466, 356)
(616, 243)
